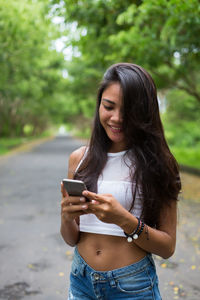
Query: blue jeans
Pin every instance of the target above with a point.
(137, 281)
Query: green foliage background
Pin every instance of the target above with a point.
(160, 35)
(30, 70)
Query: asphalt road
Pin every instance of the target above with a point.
(35, 261)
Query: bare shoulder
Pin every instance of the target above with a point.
(74, 160)
(76, 155)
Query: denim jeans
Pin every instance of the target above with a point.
(137, 281)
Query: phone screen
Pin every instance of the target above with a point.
(74, 187)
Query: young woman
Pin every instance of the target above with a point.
(132, 184)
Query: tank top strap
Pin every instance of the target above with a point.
(82, 159)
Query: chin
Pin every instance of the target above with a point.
(117, 140)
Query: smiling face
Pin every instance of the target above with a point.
(111, 116)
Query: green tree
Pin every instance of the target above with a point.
(163, 36)
(90, 24)
(160, 35)
(30, 68)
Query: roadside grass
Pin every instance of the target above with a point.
(190, 157)
(187, 156)
(9, 144)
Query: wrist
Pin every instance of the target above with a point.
(128, 223)
(67, 222)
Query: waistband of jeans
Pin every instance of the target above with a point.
(133, 268)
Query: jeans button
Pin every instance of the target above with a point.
(96, 276)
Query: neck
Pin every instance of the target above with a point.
(117, 148)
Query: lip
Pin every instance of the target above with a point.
(115, 129)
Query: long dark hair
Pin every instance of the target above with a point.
(155, 168)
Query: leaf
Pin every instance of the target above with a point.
(176, 289)
(68, 252)
(164, 265)
(193, 267)
(30, 266)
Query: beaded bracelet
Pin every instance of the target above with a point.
(133, 236)
(141, 229)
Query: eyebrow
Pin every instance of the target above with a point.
(109, 101)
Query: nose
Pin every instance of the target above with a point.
(117, 116)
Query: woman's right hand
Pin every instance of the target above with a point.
(72, 207)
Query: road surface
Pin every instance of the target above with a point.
(35, 261)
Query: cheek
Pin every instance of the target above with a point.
(103, 115)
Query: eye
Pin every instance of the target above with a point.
(108, 107)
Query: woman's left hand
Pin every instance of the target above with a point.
(106, 208)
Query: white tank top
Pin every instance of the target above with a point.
(114, 180)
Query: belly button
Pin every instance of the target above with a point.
(98, 252)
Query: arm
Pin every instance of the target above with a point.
(71, 207)
(161, 240)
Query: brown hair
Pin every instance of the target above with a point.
(155, 168)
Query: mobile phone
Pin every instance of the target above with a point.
(74, 187)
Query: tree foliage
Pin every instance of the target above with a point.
(160, 35)
(30, 68)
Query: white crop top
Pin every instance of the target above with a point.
(114, 180)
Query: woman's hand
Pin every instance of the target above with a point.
(72, 207)
(106, 208)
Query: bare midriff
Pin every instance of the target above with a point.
(107, 252)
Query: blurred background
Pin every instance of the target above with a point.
(53, 54)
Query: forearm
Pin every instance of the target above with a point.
(70, 232)
(151, 240)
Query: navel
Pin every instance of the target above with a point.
(98, 252)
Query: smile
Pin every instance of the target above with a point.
(115, 129)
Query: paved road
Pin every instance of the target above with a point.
(35, 261)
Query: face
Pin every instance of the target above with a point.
(111, 116)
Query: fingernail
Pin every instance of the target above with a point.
(93, 201)
(82, 199)
(84, 206)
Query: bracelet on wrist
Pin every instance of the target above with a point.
(136, 233)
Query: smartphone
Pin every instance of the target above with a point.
(74, 187)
